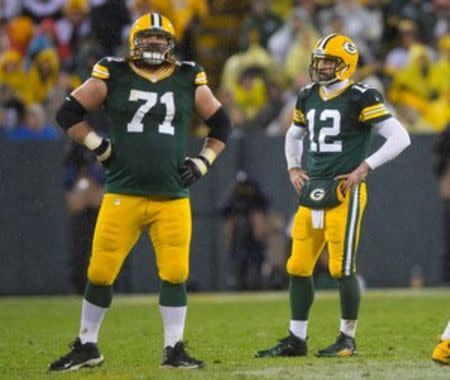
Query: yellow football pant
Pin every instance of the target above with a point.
(119, 224)
(341, 233)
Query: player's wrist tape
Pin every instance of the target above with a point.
(205, 159)
(100, 146)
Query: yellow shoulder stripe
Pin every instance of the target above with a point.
(201, 79)
(100, 71)
(373, 111)
(298, 117)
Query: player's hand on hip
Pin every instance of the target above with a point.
(191, 171)
(298, 178)
(355, 177)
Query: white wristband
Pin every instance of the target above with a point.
(92, 140)
(209, 154)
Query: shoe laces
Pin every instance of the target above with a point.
(75, 347)
(180, 351)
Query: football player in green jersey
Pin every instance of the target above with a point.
(149, 97)
(338, 116)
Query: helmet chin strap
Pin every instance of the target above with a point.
(328, 82)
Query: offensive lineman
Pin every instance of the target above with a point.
(150, 97)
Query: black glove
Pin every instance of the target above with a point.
(193, 169)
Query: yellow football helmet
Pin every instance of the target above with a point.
(152, 53)
(338, 48)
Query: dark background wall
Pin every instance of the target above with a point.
(401, 230)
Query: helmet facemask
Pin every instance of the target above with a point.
(314, 71)
(152, 53)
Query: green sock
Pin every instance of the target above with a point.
(301, 296)
(172, 294)
(98, 295)
(350, 296)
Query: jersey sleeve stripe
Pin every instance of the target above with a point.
(298, 117)
(375, 115)
(200, 79)
(373, 107)
(97, 74)
(373, 111)
(100, 71)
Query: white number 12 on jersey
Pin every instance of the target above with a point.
(334, 130)
(151, 98)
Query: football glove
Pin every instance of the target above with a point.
(193, 169)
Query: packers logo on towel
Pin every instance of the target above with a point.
(317, 194)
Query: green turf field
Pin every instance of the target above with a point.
(397, 332)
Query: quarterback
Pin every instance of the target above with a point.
(149, 97)
(338, 116)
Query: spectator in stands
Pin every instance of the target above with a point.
(398, 57)
(20, 32)
(187, 16)
(298, 56)
(12, 72)
(42, 76)
(297, 27)
(12, 115)
(364, 26)
(244, 208)
(412, 89)
(72, 27)
(260, 18)
(250, 92)
(46, 37)
(40, 9)
(34, 127)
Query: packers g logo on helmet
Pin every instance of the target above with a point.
(151, 53)
(338, 48)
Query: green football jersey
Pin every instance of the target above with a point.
(149, 125)
(339, 126)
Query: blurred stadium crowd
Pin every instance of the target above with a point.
(47, 48)
(256, 52)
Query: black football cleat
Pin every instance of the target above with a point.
(177, 357)
(80, 355)
(292, 345)
(344, 346)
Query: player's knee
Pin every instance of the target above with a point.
(100, 275)
(335, 270)
(177, 274)
(297, 268)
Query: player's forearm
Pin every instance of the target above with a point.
(397, 139)
(79, 131)
(215, 145)
(293, 146)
